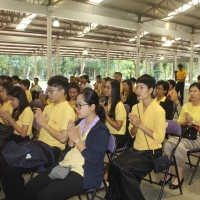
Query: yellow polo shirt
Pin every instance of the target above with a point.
(28, 95)
(6, 107)
(120, 114)
(162, 100)
(181, 75)
(121, 87)
(26, 118)
(154, 119)
(59, 115)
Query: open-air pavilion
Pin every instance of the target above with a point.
(113, 29)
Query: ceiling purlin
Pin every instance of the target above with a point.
(8, 18)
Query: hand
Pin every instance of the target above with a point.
(134, 120)
(41, 119)
(74, 132)
(188, 118)
(6, 115)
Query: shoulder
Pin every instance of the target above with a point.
(28, 110)
(156, 107)
(99, 126)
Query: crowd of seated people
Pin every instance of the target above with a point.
(64, 103)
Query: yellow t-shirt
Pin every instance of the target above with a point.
(154, 119)
(121, 87)
(75, 158)
(28, 95)
(192, 110)
(26, 118)
(59, 115)
(120, 114)
(6, 107)
(181, 75)
(134, 88)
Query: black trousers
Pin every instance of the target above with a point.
(121, 140)
(12, 180)
(44, 188)
(127, 171)
(180, 87)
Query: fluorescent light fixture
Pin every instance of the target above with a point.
(132, 39)
(197, 45)
(162, 57)
(21, 26)
(56, 23)
(164, 39)
(178, 38)
(95, 1)
(85, 52)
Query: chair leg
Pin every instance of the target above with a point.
(162, 188)
(177, 175)
(93, 195)
(150, 179)
(193, 173)
(87, 196)
(188, 155)
(79, 197)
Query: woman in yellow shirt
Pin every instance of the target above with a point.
(147, 123)
(22, 116)
(189, 116)
(172, 94)
(115, 112)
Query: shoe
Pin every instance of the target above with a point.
(173, 187)
(162, 181)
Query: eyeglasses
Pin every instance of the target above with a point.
(78, 105)
(193, 91)
(51, 91)
(159, 89)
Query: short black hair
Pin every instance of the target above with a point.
(133, 79)
(119, 73)
(26, 83)
(7, 86)
(148, 80)
(98, 76)
(8, 78)
(16, 78)
(37, 79)
(198, 77)
(60, 82)
(164, 84)
(195, 84)
(172, 82)
(180, 65)
(86, 77)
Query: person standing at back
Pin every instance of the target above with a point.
(180, 78)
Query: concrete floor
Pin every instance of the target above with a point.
(151, 191)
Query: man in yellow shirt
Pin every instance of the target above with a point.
(25, 84)
(180, 78)
(118, 76)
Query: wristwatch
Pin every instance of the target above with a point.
(76, 141)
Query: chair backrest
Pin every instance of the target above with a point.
(173, 128)
(37, 104)
(127, 107)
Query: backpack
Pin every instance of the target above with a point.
(27, 154)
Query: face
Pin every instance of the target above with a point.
(35, 81)
(14, 102)
(14, 81)
(194, 94)
(3, 94)
(103, 82)
(84, 80)
(198, 81)
(83, 110)
(170, 86)
(23, 86)
(73, 93)
(142, 91)
(54, 94)
(125, 87)
(117, 77)
(180, 68)
(160, 92)
(108, 89)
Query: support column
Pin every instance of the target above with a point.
(146, 63)
(191, 59)
(58, 60)
(198, 65)
(138, 55)
(35, 66)
(82, 65)
(118, 66)
(49, 44)
(108, 61)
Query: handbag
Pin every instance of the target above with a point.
(160, 164)
(190, 133)
(60, 171)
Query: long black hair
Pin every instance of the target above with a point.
(18, 92)
(75, 86)
(91, 97)
(129, 83)
(115, 97)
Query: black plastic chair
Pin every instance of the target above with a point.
(111, 148)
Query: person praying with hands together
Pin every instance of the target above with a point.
(87, 140)
(147, 124)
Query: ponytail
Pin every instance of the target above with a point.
(101, 113)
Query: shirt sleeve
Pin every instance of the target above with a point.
(27, 116)
(181, 118)
(120, 112)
